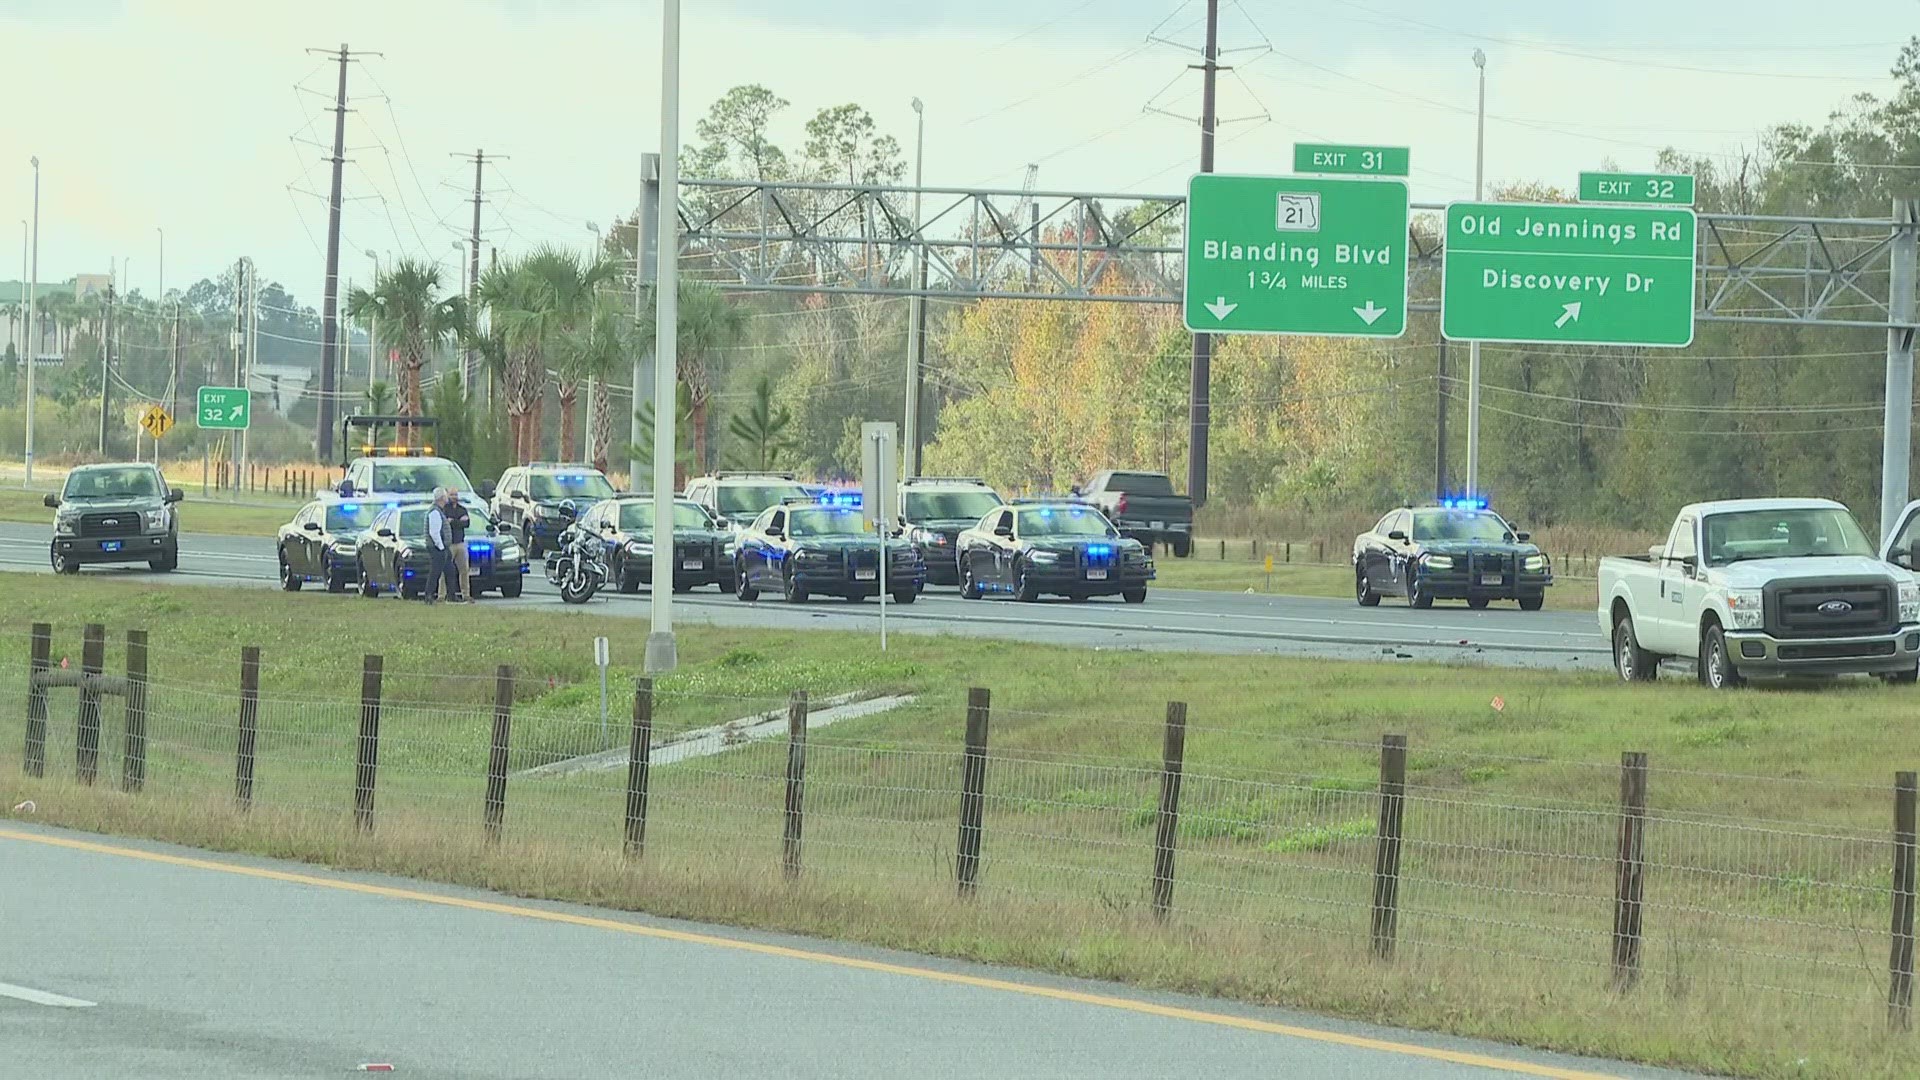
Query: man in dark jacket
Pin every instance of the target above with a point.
(457, 522)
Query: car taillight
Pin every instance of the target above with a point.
(1120, 506)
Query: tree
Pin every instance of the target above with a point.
(762, 430)
(597, 350)
(708, 324)
(642, 451)
(503, 288)
(549, 298)
(414, 313)
(734, 138)
(842, 147)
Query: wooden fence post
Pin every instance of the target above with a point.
(796, 783)
(249, 725)
(973, 788)
(1167, 828)
(367, 761)
(1386, 849)
(496, 808)
(35, 761)
(1630, 871)
(93, 662)
(1319, 551)
(639, 758)
(133, 755)
(1900, 962)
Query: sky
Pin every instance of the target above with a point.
(208, 118)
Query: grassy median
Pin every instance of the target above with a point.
(1766, 941)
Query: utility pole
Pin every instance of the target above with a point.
(646, 229)
(917, 348)
(173, 377)
(479, 159)
(106, 371)
(662, 650)
(1897, 445)
(330, 303)
(1473, 347)
(33, 317)
(1200, 395)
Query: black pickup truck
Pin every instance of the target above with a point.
(1143, 506)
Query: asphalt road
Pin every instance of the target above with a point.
(1171, 618)
(123, 958)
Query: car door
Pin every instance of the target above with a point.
(382, 565)
(770, 545)
(1673, 628)
(1901, 551)
(1002, 546)
(302, 545)
(1388, 558)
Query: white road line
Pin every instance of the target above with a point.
(41, 997)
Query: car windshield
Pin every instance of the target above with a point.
(1459, 525)
(417, 476)
(413, 522)
(1148, 484)
(949, 505)
(747, 500)
(1063, 521)
(1783, 534)
(573, 485)
(116, 483)
(824, 521)
(636, 515)
(350, 517)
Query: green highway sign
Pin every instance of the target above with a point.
(1296, 255)
(1357, 160)
(1562, 273)
(1670, 189)
(224, 407)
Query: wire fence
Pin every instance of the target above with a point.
(1622, 875)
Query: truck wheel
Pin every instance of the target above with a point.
(1182, 545)
(1901, 678)
(511, 589)
(1716, 667)
(1477, 603)
(969, 588)
(1135, 596)
(1633, 663)
(905, 596)
(168, 560)
(1363, 593)
(1532, 603)
(1419, 597)
(289, 580)
(65, 564)
(1024, 589)
(742, 587)
(794, 593)
(629, 581)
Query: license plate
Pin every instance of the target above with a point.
(866, 575)
(110, 545)
(1096, 575)
(1489, 579)
(693, 564)
(1159, 526)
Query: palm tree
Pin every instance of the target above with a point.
(379, 403)
(709, 324)
(550, 302)
(502, 289)
(408, 299)
(762, 430)
(596, 351)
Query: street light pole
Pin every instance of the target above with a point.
(160, 287)
(33, 274)
(1473, 348)
(594, 382)
(661, 650)
(917, 345)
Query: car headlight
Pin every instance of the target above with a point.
(639, 550)
(1909, 602)
(1044, 557)
(344, 547)
(1439, 562)
(1536, 564)
(66, 525)
(1746, 606)
(156, 519)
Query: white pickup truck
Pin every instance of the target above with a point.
(1762, 587)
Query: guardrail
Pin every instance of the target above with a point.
(1629, 877)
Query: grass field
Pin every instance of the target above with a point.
(1296, 579)
(1766, 908)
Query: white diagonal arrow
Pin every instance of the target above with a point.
(1369, 314)
(1568, 312)
(1220, 308)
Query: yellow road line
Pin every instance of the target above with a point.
(1244, 1023)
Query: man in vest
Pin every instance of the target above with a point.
(438, 542)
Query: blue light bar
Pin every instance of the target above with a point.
(840, 498)
(1099, 549)
(1463, 503)
(351, 508)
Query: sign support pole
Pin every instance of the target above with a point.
(1473, 348)
(1897, 442)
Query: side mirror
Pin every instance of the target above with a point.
(385, 534)
(312, 526)
(1691, 562)
(1522, 537)
(1074, 491)
(1397, 535)
(775, 534)
(1655, 552)
(345, 488)
(51, 501)
(174, 495)
(607, 526)
(485, 490)
(1003, 530)
(1903, 558)
(519, 496)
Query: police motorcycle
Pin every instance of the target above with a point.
(577, 563)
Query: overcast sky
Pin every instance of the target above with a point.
(186, 114)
